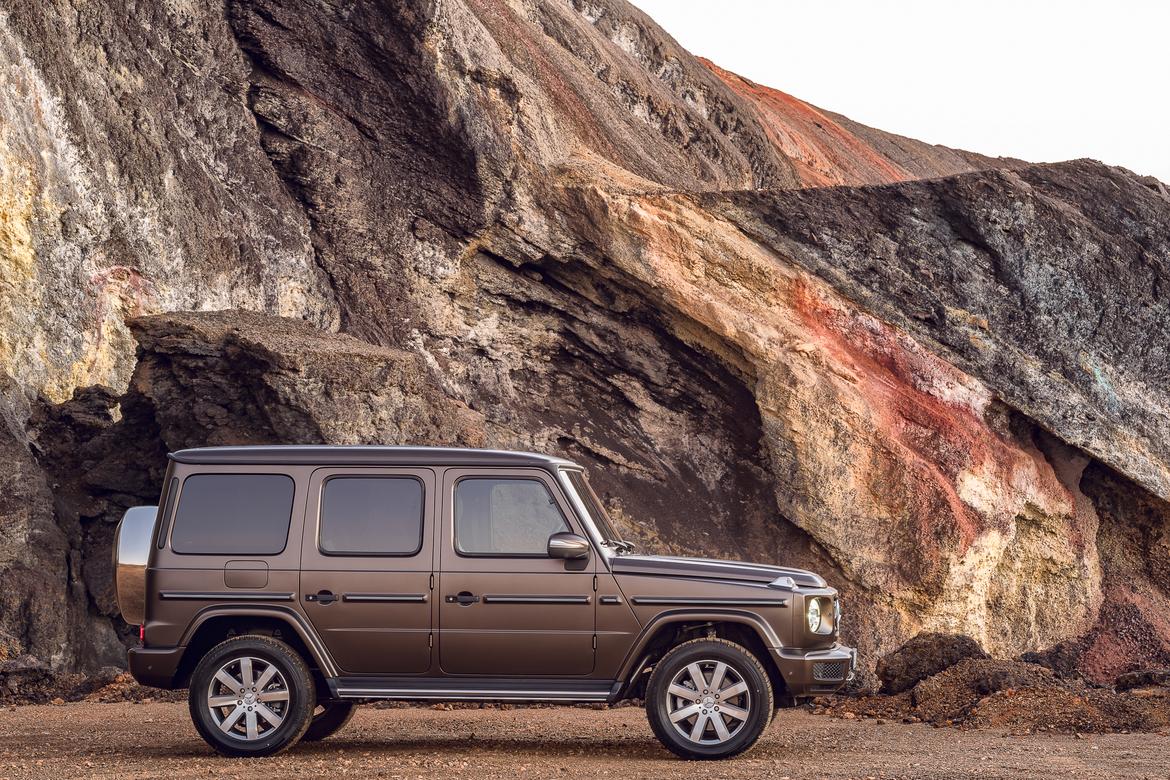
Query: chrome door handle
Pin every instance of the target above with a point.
(321, 597)
(463, 598)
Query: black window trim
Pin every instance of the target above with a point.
(166, 511)
(287, 531)
(511, 477)
(422, 516)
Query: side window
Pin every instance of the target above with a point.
(233, 514)
(371, 516)
(498, 516)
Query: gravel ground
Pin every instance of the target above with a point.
(127, 740)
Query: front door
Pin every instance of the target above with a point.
(507, 608)
(367, 564)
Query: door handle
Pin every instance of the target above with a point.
(463, 598)
(321, 597)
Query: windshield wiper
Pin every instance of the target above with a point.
(621, 545)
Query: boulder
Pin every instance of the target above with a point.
(22, 675)
(1063, 659)
(923, 656)
(1145, 678)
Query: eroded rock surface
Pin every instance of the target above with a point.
(1048, 283)
(47, 623)
(544, 225)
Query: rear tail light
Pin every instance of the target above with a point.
(142, 634)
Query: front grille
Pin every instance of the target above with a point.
(830, 671)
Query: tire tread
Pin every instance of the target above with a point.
(664, 732)
(305, 702)
(329, 723)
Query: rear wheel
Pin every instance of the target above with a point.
(332, 717)
(251, 696)
(709, 698)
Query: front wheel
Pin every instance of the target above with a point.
(251, 696)
(709, 698)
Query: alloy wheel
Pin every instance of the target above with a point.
(248, 698)
(708, 702)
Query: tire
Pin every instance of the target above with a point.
(328, 722)
(742, 716)
(258, 723)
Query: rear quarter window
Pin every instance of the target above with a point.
(233, 514)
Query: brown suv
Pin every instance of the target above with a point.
(283, 584)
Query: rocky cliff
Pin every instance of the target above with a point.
(544, 225)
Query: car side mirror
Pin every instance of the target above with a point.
(568, 546)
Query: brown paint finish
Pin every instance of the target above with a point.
(534, 615)
(617, 625)
(373, 612)
(245, 575)
(178, 596)
(653, 596)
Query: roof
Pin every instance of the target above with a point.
(363, 455)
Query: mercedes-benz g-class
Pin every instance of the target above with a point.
(283, 584)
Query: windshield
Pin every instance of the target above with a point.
(596, 510)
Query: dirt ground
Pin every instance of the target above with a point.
(127, 740)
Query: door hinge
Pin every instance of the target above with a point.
(594, 583)
(595, 641)
(432, 581)
(430, 640)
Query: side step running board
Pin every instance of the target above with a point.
(446, 689)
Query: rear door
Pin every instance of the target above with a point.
(367, 564)
(506, 608)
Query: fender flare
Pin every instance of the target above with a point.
(636, 654)
(288, 616)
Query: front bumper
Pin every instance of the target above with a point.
(156, 667)
(812, 672)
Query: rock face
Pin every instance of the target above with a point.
(47, 624)
(544, 225)
(1047, 283)
(828, 149)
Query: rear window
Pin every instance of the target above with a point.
(233, 514)
(371, 516)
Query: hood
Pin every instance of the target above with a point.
(708, 568)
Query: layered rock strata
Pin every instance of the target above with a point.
(770, 331)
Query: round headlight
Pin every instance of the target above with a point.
(814, 615)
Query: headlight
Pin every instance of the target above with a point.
(814, 615)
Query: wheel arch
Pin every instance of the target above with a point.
(214, 624)
(670, 628)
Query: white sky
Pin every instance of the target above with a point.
(1034, 79)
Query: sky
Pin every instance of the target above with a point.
(1039, 80)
